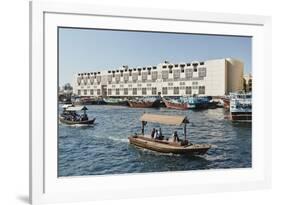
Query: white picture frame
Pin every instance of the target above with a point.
(46, 187)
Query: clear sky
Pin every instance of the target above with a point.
(83, 50)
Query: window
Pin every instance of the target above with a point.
(165, 74)
(79, 80)
(139, 72)
(176, 65)
(188, 90)
(85, 81)
(164, 66)
(85, 92)
(194, 69)
(98, 79)
(154, 75)
(176, 74)
(143, 91)
(109, 78)
(164, 90)
(176, 90)
(126, 77)
(170, 70)
(144, 76)
(154, 91)
(79, 92)
(98, 92)
(117, 91)
(125, 91)
(135, 91)
(91, 92)
(201, 63)
(202, 72)
(189, 73)
(92, 80)
(188, 64)
(135, 77)
(201, 89)
(109, 91)
(117, 78)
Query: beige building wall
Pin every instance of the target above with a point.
(221, 77)
(215, 81)
(235, 69)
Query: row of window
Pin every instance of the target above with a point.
(176, 90)
(165, 76)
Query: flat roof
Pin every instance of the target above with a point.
(164, 119)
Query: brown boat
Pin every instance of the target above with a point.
(167, 145)
(140, 104)
(143, 103)
(174, 105)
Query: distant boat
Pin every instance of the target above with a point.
(115, 101)
(241, 107)
(144, 102)
(184, 103)
(88, 101)
(71, 117)
(174, 104)
(175, 145)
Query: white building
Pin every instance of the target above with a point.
(211, 77)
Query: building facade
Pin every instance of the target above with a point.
(211, 78)
(248, 82)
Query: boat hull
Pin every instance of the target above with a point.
(178, 106)
(163, 146)
(241, 116)
(140, 104)
(85, 122)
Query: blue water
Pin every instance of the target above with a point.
(104, 148)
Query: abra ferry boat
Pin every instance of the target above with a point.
(161, 144)
(241, 107)
(71, 117)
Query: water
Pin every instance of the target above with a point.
(104, 148)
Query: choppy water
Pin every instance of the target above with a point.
(104, 148)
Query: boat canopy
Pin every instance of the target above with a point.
(164, 119)
(67, 105)
(77, 108)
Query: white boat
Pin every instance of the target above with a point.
(241, 107)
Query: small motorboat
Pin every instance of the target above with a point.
(173, 145)
(71, 117)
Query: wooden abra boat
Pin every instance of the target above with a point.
(175, 105)
(140, 104)
(144, 102)
(69, 116)
(173, 145)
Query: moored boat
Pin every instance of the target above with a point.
(174, 104)
(115, 101)
(144, 102)
(71, 117)
(241, 107)
(172, 145)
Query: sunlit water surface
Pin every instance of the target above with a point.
(104, 148)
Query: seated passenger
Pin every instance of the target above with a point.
(161, 137)
(152, 133)
(176, 137)
(156, 134)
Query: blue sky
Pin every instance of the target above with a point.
(83, 50)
